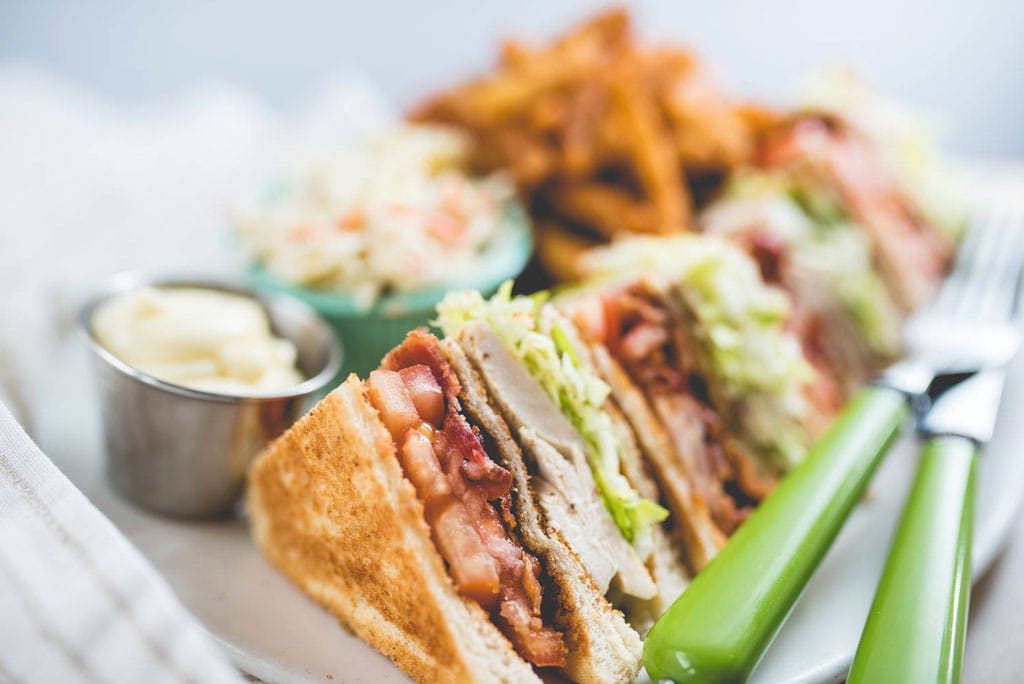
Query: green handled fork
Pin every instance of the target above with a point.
(721, 626)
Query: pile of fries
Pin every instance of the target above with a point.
(603, 136)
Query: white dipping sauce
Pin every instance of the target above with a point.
(204, 339)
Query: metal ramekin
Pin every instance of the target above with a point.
(185, 452)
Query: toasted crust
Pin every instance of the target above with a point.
(666, 560)
(668, 550)
(694, 525)
(602, 647)
(330, 507)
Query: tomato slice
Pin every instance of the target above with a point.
(425, 392)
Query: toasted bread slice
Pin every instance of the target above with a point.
(698, 532)
(330, 507)
(665, 562)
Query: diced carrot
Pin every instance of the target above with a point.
(445, 228)
(354, 219)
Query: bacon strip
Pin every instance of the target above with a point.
(636, 329)
(465, 495)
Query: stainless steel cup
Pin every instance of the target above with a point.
(184, 452)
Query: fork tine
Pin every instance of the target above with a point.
(1000, 282)
(979, 219)
(972, 325)
(957, 287)
(992, 261)
(989, 260)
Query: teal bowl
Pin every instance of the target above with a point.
(367, 334)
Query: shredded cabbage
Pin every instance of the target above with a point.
(537, 336)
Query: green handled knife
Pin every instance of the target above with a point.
(917, 623)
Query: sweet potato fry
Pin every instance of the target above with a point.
(707, 130)
(602, 135)
(529, 158)
(581, 130)
(559, 251)
(652, 151)
(607, 209)
(513, 53)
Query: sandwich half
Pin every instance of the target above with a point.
(407, 506)
(584, 458)
(852, 209)
(843, 311)
(841, 175)
(696, 349)
(904, 143)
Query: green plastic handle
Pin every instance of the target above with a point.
(915, 630)
(720, 627)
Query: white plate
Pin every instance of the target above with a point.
(273, 632)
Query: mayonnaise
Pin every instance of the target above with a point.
(204, 339)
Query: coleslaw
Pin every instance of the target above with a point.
(396, 212)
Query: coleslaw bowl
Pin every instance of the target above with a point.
(368, 333)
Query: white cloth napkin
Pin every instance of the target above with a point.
(78, 603)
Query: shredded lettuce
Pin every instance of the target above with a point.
(843, 261)
(906, 140)
(537, 336)
(756, 368)
(822, 239)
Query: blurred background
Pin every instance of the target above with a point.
(964, 61)
(127, 126)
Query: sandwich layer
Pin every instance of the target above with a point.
(466, 494)
(642, 586)
(697, 532)
(644, 355)
(330, 507)
(563, 482)
(732, 328)
(803, 242)
(911, 255)
(601, 646)
(665, 561)
(537, 337)
(664, 558)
